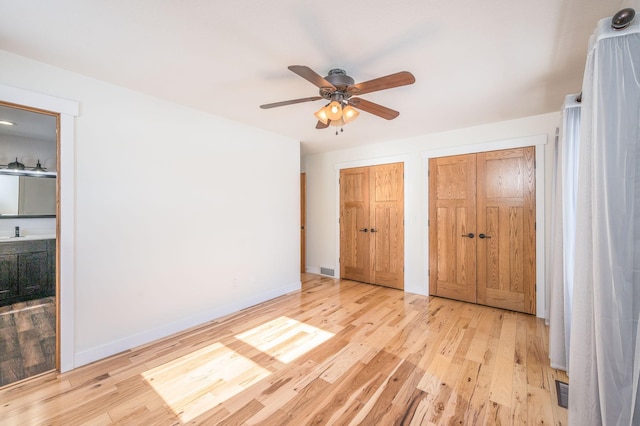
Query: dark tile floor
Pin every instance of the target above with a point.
(27, 339)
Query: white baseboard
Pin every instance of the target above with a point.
(100, 352)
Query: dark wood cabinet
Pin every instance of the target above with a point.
(27, 270)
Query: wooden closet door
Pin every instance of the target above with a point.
(355, 252)
(387, 224)
(452, 227)
(372, 224)
(506, 216)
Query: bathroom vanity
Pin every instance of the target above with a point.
(27, 268)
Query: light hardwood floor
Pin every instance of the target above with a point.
(337, 352)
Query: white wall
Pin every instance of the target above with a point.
(181, 217)
(323, 198)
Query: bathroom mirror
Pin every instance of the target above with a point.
(27, 140)
(27, 196)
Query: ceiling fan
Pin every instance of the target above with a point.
(339, 89)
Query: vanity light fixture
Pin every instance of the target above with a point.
(39, 168)
(7, 123)
(16, 165)
(16, 168)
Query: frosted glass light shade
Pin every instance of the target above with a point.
(334, 111)
(349, 114)
(321, 115)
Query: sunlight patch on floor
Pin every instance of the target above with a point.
(201, 380)
(284, 338)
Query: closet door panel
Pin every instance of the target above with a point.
(506, 217)
(452, 240)
(387, 225)
(355, 241)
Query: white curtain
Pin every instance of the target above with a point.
(605, 346)
(563, 231)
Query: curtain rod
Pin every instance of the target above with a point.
(621, 20)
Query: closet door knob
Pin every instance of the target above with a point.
(373, 230)
(484, 236)
(469, 235)
(363, 230)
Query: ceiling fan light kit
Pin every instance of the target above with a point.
(339, 89)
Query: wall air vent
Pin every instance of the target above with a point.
(327, 271)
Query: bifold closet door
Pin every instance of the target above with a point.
(372, 224)
(482, 228)
(507, 220)
(452, 227)
(355, 252)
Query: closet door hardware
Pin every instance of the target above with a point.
(482, 236)
(373, 230)
(471, 235)
(363, 230)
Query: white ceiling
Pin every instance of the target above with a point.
(475, 62)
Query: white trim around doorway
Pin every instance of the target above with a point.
(68, 110)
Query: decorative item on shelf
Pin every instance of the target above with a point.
(16, 165)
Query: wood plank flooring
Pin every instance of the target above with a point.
(336, 352)
(27, 339)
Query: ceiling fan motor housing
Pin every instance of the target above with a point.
(340, 80)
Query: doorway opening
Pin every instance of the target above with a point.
(29, 302)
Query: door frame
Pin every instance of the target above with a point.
(538, 141)
(408, 187)
(65, 222)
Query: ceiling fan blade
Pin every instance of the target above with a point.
(292, 101)
(401, 78)
(311, 76)
(321, 125)
(373, 108)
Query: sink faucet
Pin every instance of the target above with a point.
(17, 231)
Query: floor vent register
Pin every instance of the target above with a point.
(562, 389)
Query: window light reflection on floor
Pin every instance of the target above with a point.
(284, 338)
(199, 381)
(203, 379)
